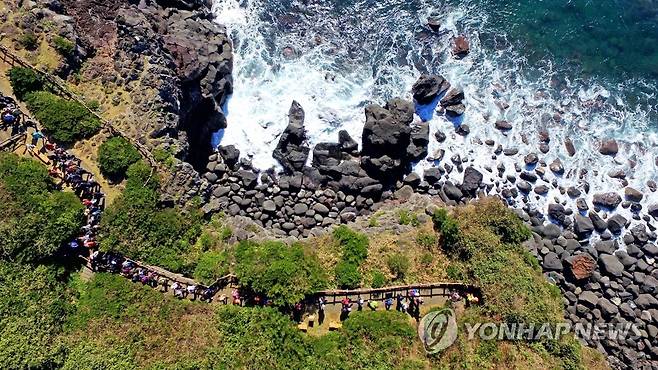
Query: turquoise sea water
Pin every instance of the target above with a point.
(609, 38)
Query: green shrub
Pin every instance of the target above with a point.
(398, 264)
(115, 155)
(426, 259)
(96, 355)
(257, 337)
(449, 230)
(33, 308)
(64, 46)
(211, 266)
(226, 233)
(379, 280)
(65, 120)
(408, 218)
(36, 219)
(24, 81)
(455, 272)
(347, 275)
(426, 240)
(379, 324)
(135, 226)
(354, 244)
(284, 273)
(29, 40)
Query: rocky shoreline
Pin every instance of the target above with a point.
(604, 263)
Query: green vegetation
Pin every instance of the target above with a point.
(33, 308)
(115, 155)
(29, 41)
(262, 336)
(136, 226)
(36, 219)
(211, 266)
(24, 81)
(399, 265)
(66, 120)
(379, 280)
(354, 248)
(347, 275)
(427, 240)
(449, 230)
(64, 46)
(353, 244)
(164, 156)
(408, 218)
(283, 273)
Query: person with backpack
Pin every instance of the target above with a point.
(388, 303)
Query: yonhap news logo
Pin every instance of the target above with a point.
(438, 330)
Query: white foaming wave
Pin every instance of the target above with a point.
(586, 112)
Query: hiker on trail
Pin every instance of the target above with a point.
(297, 312)
(36, 136)
(236, 297)
(164, 283)
(208, 293)
(373, 305)
(322, 304)
(359, 304)
(178, 291)
(191, 289)
(388, 303)
(399, 304)
(93, 260)
(8, 118)
(471, 299)
(224, 299)
(455, 297)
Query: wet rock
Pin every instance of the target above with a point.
(531, 159)
(432, 175)
(652, 210)
(556, 167)
(292, 151)
(616, 223)
(428, 87)
(583, 226)
(440, 136)
(452, 192)
(434, 24)
(347, 144)
(269, 206)
(503, 125)
(472, 180)
(573, 192)
(230, 154)
(633, 195)
(453, 97)
(609, 147)
(461, 46)
(571, 149)
(557, 213)
(420, 137)
(599, 224)
(607, 200)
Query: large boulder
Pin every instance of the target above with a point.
(453, 97)
(611, 265)
(607, 200)
(420, 138)
(230, 154)
(616, 223)
(609, 147)
(428, 87)
(292, 150)
(472, 180)
(581, 266)
(582, 226)
(327, 155)
(347, 144)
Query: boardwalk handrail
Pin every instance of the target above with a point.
(365, 291)
(12, 140)
(11, 58)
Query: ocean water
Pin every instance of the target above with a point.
(586, 70)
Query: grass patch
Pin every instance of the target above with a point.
(115, 155)
(64, 46)
(24, 81)
(407, 217)
(66, 120)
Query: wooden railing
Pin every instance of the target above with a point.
(57, 86)
(428, 290)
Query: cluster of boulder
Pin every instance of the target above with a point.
(603, 283)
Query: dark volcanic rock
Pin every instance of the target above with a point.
(292, 150)
(571, 149)
(347, 144)
(616, 223)
(633, 195)
(230, 154)
(611, 265)
(503, 125)
(583, 226)
(557, 212)
(607, 200)
(453, 97)
(472, 180)
(429, 87)
(609, 147)
(461, 46)
(420, 137)
(432, 175)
